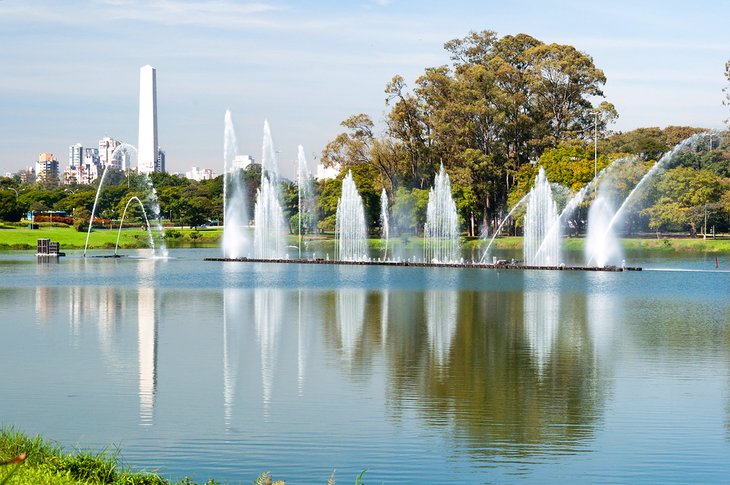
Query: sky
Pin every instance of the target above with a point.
(70, 70)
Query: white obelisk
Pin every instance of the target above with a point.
(147, 146)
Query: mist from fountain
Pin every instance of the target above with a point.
(269, 232)
(161, 251)
(599, 238)
(540, 217)
(384, 221)
(350, 227)
(441, 231)
(236, 239)
(306, 203)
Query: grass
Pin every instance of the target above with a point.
(15, 237)
(35, 461)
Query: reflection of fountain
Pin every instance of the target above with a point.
(541, 321)
(147, 224)
(269, 234)
(441, 231)
(384, 223)
(350, 228)
(236, 311)
(541, 239)
(268, 307)
(350, 319)
(441, 311)
(236, 242)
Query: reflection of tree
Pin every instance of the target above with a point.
(501, 401)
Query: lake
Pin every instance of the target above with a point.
(419, 375)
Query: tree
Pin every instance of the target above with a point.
(684, 192)
(10, 210)
(82, 215)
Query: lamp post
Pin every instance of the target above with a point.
(595, 143)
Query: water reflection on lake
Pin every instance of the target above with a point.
(417, 374)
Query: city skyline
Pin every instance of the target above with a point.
(307, 68)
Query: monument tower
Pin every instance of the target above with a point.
(147, 145)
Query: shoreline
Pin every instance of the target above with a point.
(22, 239)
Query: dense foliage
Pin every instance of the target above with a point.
(504, 107)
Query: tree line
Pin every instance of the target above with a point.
(503, 107)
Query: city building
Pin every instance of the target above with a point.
(46, 169)
(147, 146)
(107, 146)
(325, 173)
(241, 162)
(160, 164)
(199, 174)
(75, 155)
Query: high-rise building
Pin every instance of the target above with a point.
(46, 168)
(199, 174)
(75, 155)
(147, 145)
(241, 162)
(160, 165)
(107, 146)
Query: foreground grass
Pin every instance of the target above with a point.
(35, 461)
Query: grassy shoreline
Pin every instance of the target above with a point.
(21, 238)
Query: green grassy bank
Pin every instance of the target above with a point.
(17, 237)
(20, 237)
(36, 461)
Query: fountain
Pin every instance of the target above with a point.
(236, 243)
(269, 233)
(541, 244)
(350, 227)
(441, 231)
(93, 208)
(599, 238)
(155, 207)
(305, 198)
(147, 224)
(501, 224)
(384, 224)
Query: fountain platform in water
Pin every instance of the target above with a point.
(420, 264)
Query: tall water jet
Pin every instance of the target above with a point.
(384, 221)
(307, 220)
(602, 247)
(269, 233)
(236, 243)
(441, 231)
(350, 227)
(93, 208)
(154, 204)
(541, 216)
(607, 232)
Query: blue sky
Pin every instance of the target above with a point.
(70, 69)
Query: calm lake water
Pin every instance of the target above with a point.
(419, 375)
